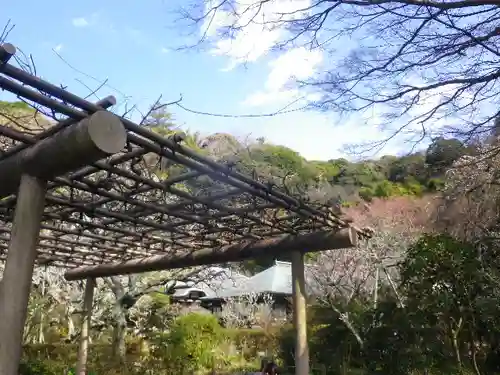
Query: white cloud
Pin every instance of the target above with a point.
(298, 63)
(263, 98)
(59, 47)
(164, 50)
(315, 135)
(295, 64)
(80, 22)
(258, 28)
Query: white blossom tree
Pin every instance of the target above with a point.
(470, 202)
(340, 277)
(249, 310)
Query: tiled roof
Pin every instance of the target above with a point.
(275, 280)
(212, 286)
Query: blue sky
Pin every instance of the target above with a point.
(129, 44)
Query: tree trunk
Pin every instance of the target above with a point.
(41, 336)
(119, 330)
(344, 318)
(454, 340)
(375, 288)
(394, 287)
(474, 355)
(71, 326)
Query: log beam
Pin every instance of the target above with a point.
(93, 138)
(311, 242)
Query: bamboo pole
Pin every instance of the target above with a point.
(316, 241)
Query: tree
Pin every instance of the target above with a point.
(248, 311)
(128, 290)
(419, 66)
(443, 152)
(469, 205)
(359, 275)
(408, 167)
(53, 300)
(160, 120)
(447, 286)
(343, 278)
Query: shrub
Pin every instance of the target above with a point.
(35, 367)
(385, 189)
(191, 343)
(435, 184)
(251, 341)
(414, 188)
(366, 193)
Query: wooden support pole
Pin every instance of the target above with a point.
(316, 241)
(81, 367)
(300, 314)
(18, 271)
(78, 145)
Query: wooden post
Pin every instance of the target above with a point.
(299, 314)
(18, 271)
(81, 367)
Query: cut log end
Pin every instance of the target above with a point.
(107, 102)
(7, 50)
(107, 132)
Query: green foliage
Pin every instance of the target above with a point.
(435, 184)
(39, 368)
(451, 297)
(336, 180)
(193, 341)
(441, 260)
(443, 152)
(15, 106)
(408, 166)
(48, 359)
(385, 189)
(367, 193)
(284, 162)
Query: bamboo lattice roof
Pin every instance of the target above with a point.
(122, 208)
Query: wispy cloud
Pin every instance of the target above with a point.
(164, 50)
(299, 63)
(87, 20)
(59, 47)
(80, 22)
(250, 39)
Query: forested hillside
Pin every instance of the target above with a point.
(337, 181)
(333, 181)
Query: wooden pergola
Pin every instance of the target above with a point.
(81, 195)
